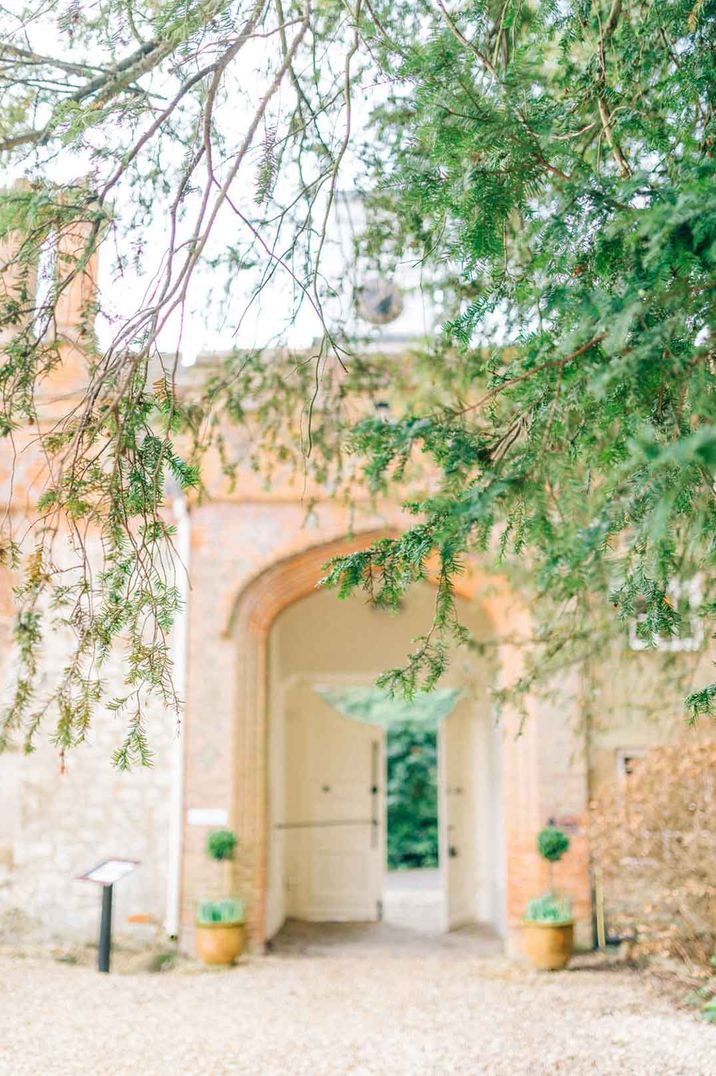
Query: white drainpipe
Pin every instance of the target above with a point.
(176, 802)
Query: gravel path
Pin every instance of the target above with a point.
(423, 1010)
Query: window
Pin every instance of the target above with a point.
(684, 596)
(628, 760)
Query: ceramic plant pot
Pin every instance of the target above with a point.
(548, 945)
(219, 943)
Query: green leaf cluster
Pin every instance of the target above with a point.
(229, 911)
(412, 795)
(549, 909)
(221, 844)
(553, 170)
(552, 843)
(550, 168)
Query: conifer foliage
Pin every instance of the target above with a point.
(549, 165)
(553, 166)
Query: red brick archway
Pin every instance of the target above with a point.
(256, 609)
(527, 800)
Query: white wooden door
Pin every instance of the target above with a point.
(334, 817)
(458, 852)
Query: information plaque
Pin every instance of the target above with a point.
(110, 871)
(106, 874)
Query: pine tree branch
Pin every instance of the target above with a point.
(511, 381)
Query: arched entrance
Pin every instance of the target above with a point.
(542, 772)
(256, 610)
(327, 821)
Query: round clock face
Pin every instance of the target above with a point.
(379, 301)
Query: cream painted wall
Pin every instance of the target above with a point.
(490, 828)
(320, 640)
(276, 891)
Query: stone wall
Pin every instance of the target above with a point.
(56, 825)
(60, 816)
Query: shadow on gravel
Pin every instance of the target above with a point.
(297, 938)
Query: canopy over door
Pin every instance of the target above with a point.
(334, 819)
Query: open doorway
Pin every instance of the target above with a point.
(414, 879)
(412, 884)
(378, 808)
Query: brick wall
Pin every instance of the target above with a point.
(253, 552)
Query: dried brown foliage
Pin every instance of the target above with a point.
(654, 843)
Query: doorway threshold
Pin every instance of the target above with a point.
(415, 899)
(299, 938)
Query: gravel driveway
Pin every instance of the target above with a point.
(344, 1008)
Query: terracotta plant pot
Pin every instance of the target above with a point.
(548, 945)
(219, 943)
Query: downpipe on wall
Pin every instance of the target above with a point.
(176, 793)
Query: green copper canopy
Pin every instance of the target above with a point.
(376, 707)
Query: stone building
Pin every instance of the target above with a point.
(261, 751)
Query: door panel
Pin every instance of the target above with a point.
(458, 850)
(333, 818)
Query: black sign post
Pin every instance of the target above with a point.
(105, 929)
(106, 874)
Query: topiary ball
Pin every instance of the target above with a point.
(221, 844)
(552, 843)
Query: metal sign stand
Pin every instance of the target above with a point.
(105, 929)
(106, 874)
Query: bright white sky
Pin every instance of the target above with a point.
(205, 326)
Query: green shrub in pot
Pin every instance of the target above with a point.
(221, 844)
(219, 932)
(549, 908)
(228, 910)
(552, 843)
(548, 927)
